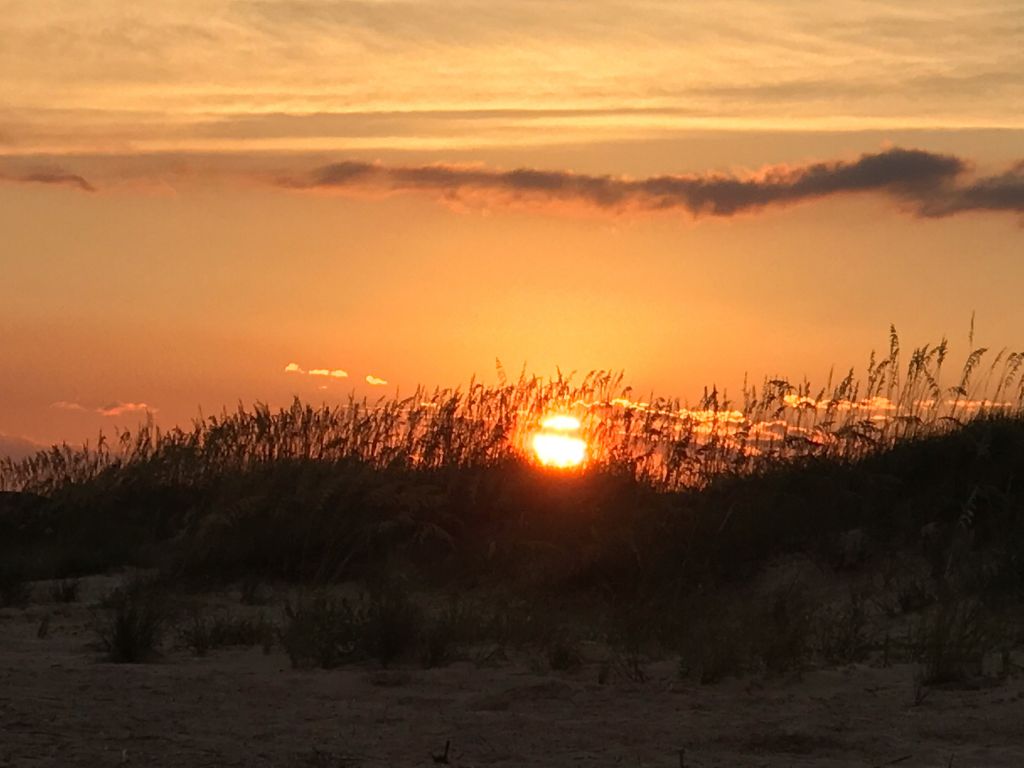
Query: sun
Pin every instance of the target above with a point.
(557, 443)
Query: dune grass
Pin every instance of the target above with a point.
(676, 504)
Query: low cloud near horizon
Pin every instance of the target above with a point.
(17, 448)
(109, 409)
(926, 184)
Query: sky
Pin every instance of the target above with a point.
(206, 203)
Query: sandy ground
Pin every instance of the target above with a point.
(61, 705)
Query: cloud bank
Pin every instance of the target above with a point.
(923, 183)
(109, 409)
(926, 183)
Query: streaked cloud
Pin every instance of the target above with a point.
(331, 373)
(924, 183)
(117, 408)
(65, 405)
(50, 177)
(927, 183)
(172, 75)
(375, 381)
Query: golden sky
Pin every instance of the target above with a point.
(194, 195)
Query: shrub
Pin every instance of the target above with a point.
(253, 591)
(133, 623)
(843, 631)
(204, 632)
(714, 644)
(321, 631)
(445, 632)
(391, 626)
(949, 642)
(65, 591)
(14, 590)
(782, 636)
(563, 653)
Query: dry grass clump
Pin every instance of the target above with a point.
(205, 631)
(326, 631)
(65, 590)
(132, 621)
(951, 640)
(15, 592)
(844, 630)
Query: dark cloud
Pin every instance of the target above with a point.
(914, 176)
(51, 177)
(1002, 193)
(927, 184)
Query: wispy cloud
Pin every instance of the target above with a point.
(332, 373)
(119, 409)
(66, 405)
(50, 177)
(110, 409)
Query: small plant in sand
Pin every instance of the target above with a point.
(132, 621)
(320, 630)
(65, 591)
(14, 590)
(844, 630)
(391, 625)
(951, 640)
(564, 653)
(204, 631)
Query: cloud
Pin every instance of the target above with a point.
(929, 183)
(18, 448)
(65, 405)
(375, 381)
(1002, 193)
(110, 409)
(118, 409)
(51, 177)
(924, 183)
(331, 373)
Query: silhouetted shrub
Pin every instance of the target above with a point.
(132, 622)
(951, 640)
(14, 590)
(65, 591)
(563, 653)
(391, 626)
(205, 631)
(842, 630)
(320, 630)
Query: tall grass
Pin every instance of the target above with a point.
(660, 441)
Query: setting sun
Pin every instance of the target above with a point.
(556, 445)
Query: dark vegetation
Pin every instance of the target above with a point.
(656, 546)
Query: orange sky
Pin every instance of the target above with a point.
(194, 195)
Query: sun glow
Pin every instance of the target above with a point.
(556, 445)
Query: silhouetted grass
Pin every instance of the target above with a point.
(677, 507)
